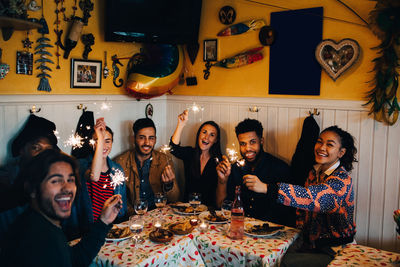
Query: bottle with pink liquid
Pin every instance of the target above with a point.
(236, 230)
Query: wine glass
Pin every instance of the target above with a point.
(226, 208)
(194, 200)
(160, 200)
(140, 206)
(136, 225)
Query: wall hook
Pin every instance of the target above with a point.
(34, 109)
(314, 112)
(81, 106)
(254, 109)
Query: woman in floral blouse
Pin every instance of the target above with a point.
(325, 205)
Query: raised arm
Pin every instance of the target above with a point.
(182, 120)
(97, 163)
(223, 171)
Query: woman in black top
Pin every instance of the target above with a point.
(199, 162)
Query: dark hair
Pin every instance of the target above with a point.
(347, 142)
(142, 123)
(35, 171)
(215, 150)
(249, 125)
(108, 129)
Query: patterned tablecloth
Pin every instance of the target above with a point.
(358, 255)
(212, 248)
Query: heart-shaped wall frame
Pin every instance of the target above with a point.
(336, 58)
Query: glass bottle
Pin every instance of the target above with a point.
(236, 230)
(73, 36)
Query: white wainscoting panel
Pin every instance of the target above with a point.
(376, 175)
(63, 111)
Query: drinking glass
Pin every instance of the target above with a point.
(226, 208)
(160, 200)
(194, 200)
(140, 206)
(136, 225)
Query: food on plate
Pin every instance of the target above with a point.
(181, 227)
(161, 235)
(117, 232)
(214, 217)
(186, 208)
(263, 229)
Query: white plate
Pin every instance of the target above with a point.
(201, 207)
(248, 225)
(119, 238)
(205, 214)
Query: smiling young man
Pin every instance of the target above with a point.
(149, 171)
(36, 237)
(260, 168)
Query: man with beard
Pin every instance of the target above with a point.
(149, 171)
(36, 136)
(36, 237)
(260, 168)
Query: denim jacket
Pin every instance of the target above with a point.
(82, 213)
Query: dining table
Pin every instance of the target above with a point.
(208, 246)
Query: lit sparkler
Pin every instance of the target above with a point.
(92, 142)
(105, 106)
(75, 141)
(196, 108)
(57, 134)
(165, 149)
(117, 178)
(233, 157)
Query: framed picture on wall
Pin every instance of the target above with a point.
(85, 73)
(210, 50)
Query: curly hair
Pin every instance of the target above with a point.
(347, 142)
(249, 125)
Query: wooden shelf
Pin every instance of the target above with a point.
(18, 24)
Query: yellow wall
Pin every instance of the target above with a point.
(248, 81)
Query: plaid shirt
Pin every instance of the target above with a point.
(325, 209)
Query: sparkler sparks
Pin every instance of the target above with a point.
(75, 141)
(117, 178)
(57, 134)
(196, 108)
(105, 106)
(92, 142)
(165, 149)
(234, 157)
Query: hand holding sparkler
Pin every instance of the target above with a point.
(168, 175)
(223, 170)
(183, 117)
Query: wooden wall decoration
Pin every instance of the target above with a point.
(336, 58)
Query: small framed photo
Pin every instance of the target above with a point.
(85, 73)
(210, 50)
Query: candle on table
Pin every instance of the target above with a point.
(203, 226)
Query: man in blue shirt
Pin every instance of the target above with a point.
(260, 168)
(149, 171)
